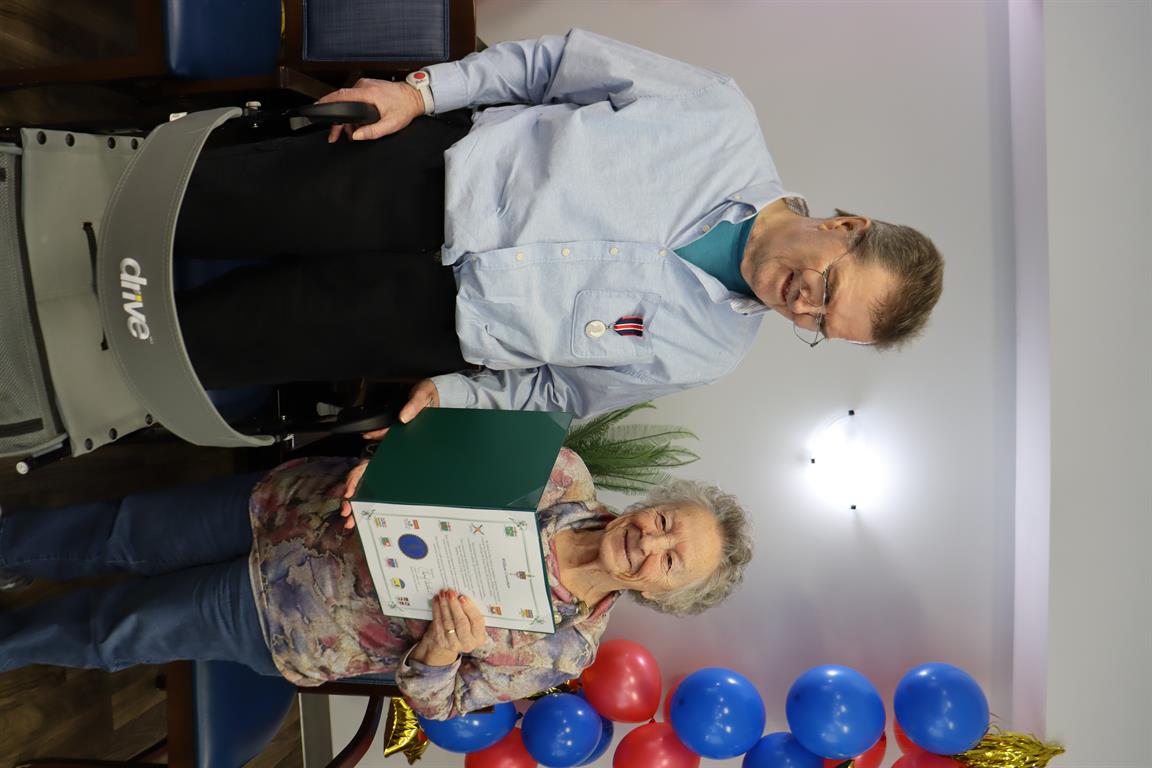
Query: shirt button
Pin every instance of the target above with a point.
(566, 252)
(595, 329)
(663, 251)
(614, 250)
(520, 256)
(705, 228)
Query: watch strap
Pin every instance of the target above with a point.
(422, 83)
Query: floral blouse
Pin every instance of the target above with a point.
(322, 619)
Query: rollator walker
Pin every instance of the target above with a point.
(90, 343)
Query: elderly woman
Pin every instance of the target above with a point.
(266, 572)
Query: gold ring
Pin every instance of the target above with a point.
(451, 632)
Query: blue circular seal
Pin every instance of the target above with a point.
(413, 546)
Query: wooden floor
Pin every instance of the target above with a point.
(75, 713)
(50, 32)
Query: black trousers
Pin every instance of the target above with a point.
(342, 278)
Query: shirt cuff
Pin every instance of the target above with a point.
(429, 677)
(453, 390)
(449, 87)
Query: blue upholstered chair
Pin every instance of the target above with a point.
(376, 37)
(222, 715)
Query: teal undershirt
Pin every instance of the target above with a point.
(719, 253)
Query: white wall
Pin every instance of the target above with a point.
(901, 111)
(1099, 195)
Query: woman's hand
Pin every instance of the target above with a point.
(423, 395)
(457, 628)
(350, 491)
(397, 103)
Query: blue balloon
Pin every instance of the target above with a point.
(941, 708)
(835, 712)
(473, 731)
(717, 713)
(781, 750)
(561, 730)
(609, 730)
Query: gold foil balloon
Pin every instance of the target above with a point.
(568, 686)
(1006, 749)
(402, 732)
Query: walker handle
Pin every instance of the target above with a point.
(355, 112)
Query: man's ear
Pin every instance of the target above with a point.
(851, 224)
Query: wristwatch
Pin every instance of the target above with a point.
(422, 83)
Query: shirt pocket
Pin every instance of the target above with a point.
(613, 327)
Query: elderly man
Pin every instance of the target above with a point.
(615, 230)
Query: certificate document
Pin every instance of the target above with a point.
(449, 502)
(492, 556)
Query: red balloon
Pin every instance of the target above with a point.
(870, 759)
(666, 709)
(509, 752)
(907, 746)
(623, 682)
(927, 760)
(654, 745)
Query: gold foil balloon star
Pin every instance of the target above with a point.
(568, 686)
(402, 732)
(1006, 749)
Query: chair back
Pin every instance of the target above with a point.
(211, 39)
(369, 30)
(237, 712)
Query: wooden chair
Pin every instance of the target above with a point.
(221, 715)
(176, 59)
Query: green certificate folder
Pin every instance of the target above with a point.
(449, 501)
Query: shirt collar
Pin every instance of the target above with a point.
(743, 204)
(567, 608)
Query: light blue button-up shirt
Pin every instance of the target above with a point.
(562, 212)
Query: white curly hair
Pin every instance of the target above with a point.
(735, 552)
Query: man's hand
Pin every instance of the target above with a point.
(423, 395)
(457, 628)
(397, 103)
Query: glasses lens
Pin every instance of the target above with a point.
(813, 335)
(817, 299)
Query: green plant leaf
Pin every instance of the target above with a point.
(629, 458)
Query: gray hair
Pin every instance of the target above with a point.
(735, 549)
(919, 269)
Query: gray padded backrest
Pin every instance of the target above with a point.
(66, 182)
(134, 278)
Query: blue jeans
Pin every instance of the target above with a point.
(193, 599)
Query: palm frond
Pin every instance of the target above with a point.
(595, 427)
(629, 458)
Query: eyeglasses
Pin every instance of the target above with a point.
(810, 336)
